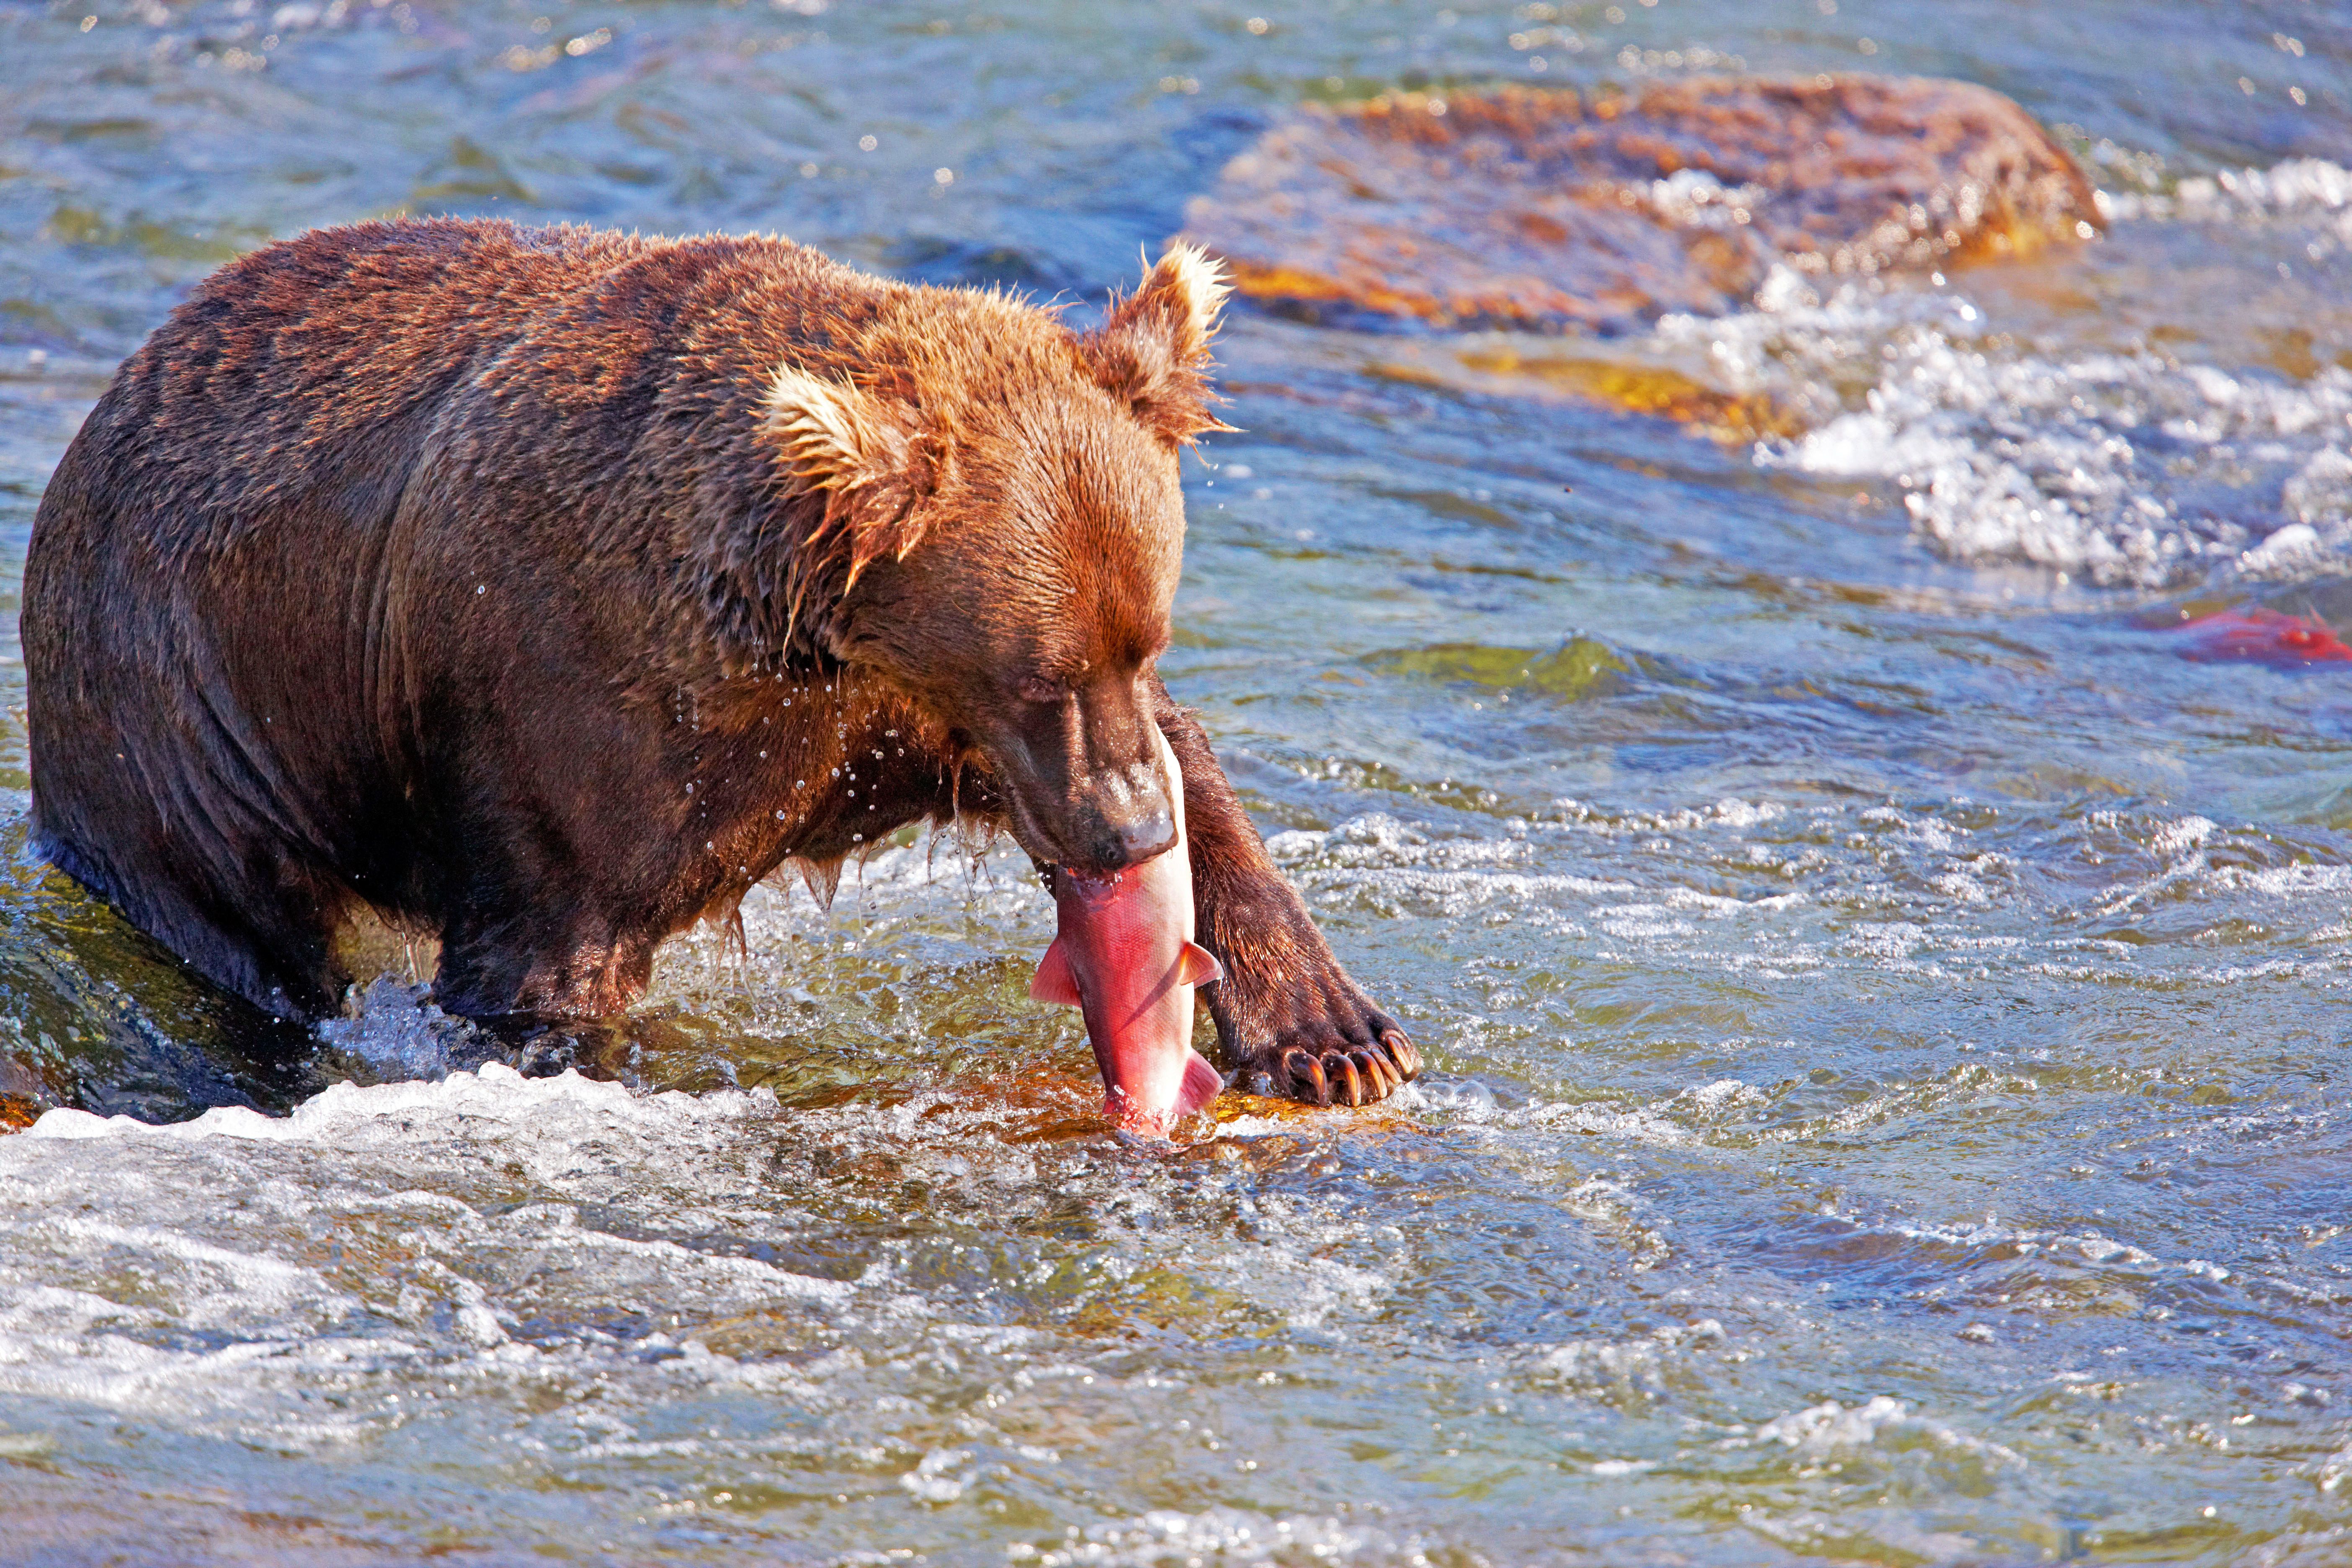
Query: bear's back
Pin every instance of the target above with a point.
(312, 364)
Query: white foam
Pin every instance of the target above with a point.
(2041, 460)
(2064, 460)
(2296, 185)
(497, 1092)
(1217, 1533)
(1829, 1424)
(2184, 847)
(255, 1276)
(1828, 1427)
(1623, 1372)
(936, 1478)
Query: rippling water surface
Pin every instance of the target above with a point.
(1886, 1004)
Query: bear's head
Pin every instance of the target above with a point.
(1004, 528)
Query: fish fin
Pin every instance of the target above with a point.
(1053, 982)
(1196, 965)
(1201, 1086)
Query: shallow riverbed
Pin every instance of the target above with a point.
(1886, 1004)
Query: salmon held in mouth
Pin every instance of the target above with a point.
(1123, 955)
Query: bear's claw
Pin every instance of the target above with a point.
(1403, 1052)
(1345, 1066)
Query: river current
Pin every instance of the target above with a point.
(1885, 1000)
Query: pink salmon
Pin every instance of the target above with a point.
(2262, 637)
(1123, 956)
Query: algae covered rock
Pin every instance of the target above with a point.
(1555, 211)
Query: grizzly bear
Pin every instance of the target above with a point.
(541, 590)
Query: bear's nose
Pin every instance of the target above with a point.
(1133, 819)
(1139, 837)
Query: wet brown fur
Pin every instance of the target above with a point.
(541, 590)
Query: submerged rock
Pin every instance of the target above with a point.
(1553, 211)
(1635, 383)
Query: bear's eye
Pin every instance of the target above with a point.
(1042, 689)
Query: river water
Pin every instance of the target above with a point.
(1887, 1005)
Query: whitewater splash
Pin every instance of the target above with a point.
(2132, 465)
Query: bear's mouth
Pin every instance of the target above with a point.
(1083, 841)
(1087, 782)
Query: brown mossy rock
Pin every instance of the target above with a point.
(1634, 383)
(1548, 210)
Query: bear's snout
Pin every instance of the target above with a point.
(1094, 821)
(1132, 819)
(1141, 838)
(1083, 782)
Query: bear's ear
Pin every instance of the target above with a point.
(837, 441)
(1151, 353)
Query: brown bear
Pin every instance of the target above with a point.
(541, 589)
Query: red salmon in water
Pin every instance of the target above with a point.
(1123, 956)
(2262, 637)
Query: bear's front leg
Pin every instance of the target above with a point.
(1289, 1019)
